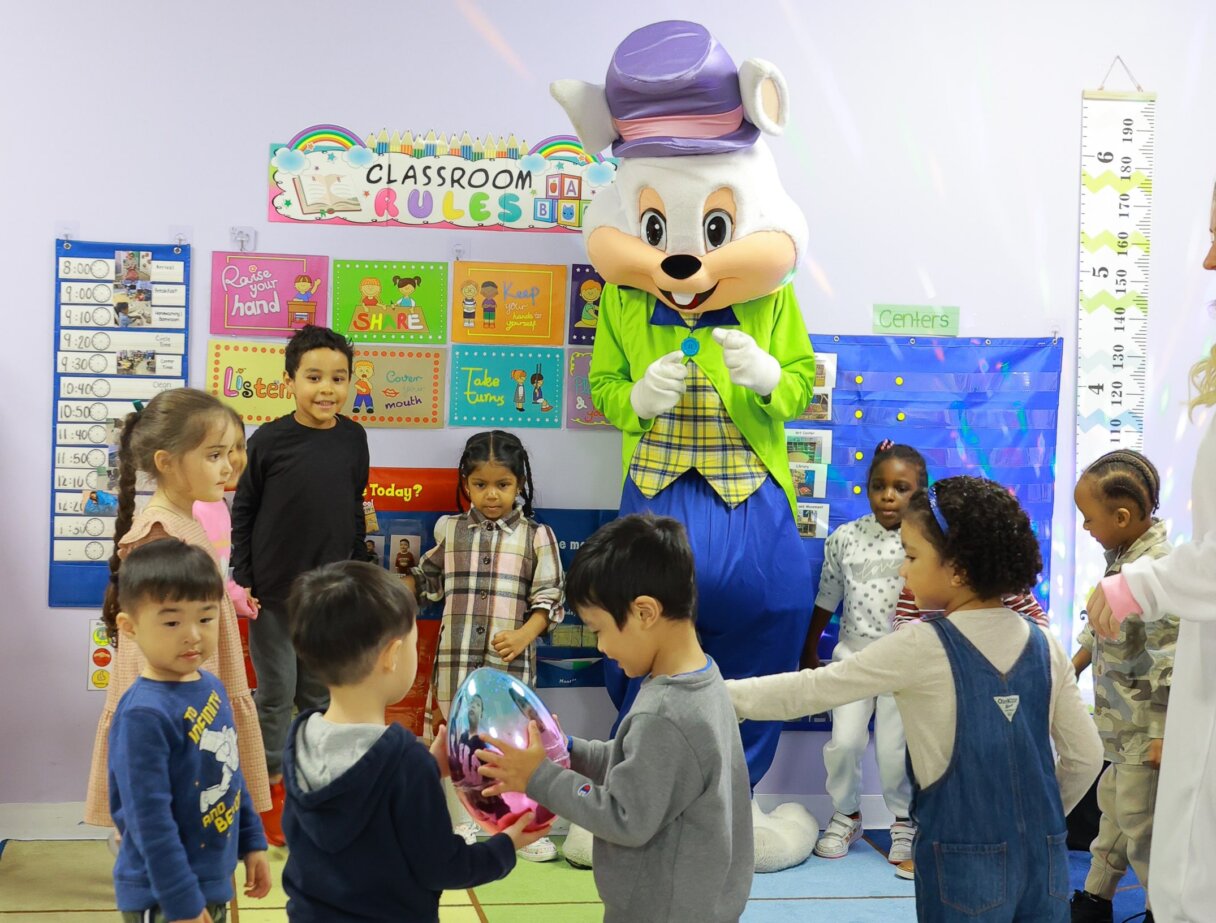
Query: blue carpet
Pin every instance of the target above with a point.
(862, 887)
(864, 872)
(873, 910)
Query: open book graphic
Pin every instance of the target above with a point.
(320, 191)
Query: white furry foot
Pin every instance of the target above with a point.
(784, 838)
(577, 848)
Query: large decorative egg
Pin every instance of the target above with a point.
(493, 704)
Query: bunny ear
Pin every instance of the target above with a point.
(766, 98)
(586, 106)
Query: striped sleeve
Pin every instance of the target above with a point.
(1025, 604)
(906, 611)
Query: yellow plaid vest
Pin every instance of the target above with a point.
(697, 433)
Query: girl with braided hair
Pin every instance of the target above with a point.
(182, 440)
(1117, 496)
(499, 575)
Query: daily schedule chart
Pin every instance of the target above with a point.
(121, 336)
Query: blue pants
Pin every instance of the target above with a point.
(362, 400)
(753, 591)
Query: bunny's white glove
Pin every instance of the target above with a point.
(660, 388)
(749, 365)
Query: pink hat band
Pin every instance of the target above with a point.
(714, 125)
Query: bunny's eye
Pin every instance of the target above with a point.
(718, 228)
(654, 229)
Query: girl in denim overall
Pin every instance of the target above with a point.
(983, 693)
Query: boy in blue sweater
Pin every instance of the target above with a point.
(176, 791)
(366, 821)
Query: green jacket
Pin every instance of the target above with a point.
(626, 342)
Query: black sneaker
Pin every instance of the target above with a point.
(1086, 908)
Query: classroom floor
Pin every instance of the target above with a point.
(69, 881)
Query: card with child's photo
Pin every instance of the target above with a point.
(374, 545)
(405, 551)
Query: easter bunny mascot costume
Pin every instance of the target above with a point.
(701, 353)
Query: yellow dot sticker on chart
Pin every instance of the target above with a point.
(859, 455)
(857, 414)
(101, 678)
(899, 379)
(856, 489)
(901, 416)
(859, 379)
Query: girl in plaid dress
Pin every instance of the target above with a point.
(499, 575)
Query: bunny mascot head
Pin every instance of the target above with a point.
(701, 353)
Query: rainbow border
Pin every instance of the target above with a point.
(564, 147)
(325, 137)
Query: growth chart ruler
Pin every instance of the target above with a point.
(1117, 131)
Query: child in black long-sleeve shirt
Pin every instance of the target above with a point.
(298, 505)
(366, 821)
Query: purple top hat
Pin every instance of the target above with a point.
(673, 90)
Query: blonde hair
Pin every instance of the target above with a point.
(1203, 382)
(1203, 372)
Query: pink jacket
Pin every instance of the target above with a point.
(216, 521)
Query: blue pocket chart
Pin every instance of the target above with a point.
(984, 407)
(121, 335)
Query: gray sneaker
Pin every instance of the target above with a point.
(902, 834)
(842, 832)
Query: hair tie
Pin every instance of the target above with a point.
(139, 407)
(885, 445)
(937, 510)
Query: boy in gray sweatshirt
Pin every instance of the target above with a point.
(667, 799)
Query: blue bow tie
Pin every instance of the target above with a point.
(665, 316)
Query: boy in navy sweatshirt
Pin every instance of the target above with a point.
(366, 821)
(176, 791)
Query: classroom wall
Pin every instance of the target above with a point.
(934, 148)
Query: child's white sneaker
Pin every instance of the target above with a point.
(842, 832)
(542, 850)
(468, 831)
(902, 834)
